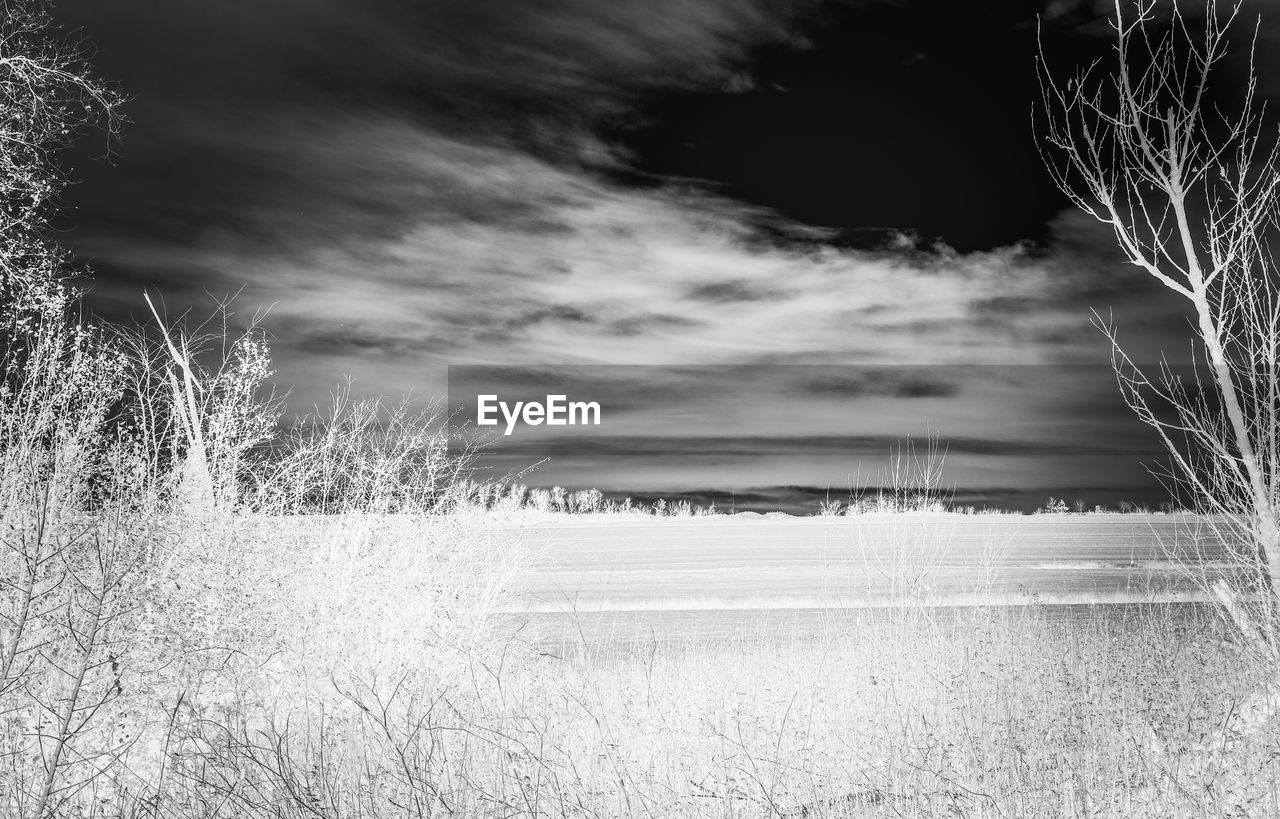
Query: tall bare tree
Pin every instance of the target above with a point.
(1190, 190)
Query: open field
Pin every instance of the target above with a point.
(907, 665)
(1119, 711)
(343, 666)
(704, 576)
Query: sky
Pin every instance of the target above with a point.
(747, 186)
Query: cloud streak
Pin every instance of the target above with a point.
(491, 255)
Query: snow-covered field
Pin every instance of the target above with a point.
(695, 576)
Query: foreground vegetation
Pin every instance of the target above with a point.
(1116, 712)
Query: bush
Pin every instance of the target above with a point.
(182, 582)
(1054, 507)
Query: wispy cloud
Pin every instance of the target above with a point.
(419, 251)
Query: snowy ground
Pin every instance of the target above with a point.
(675, 577)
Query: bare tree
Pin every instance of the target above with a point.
(49, 97)
(1190, 191)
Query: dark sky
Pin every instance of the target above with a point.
(907, 116)
(409, 185)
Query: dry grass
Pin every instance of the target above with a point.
(1112, 713)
